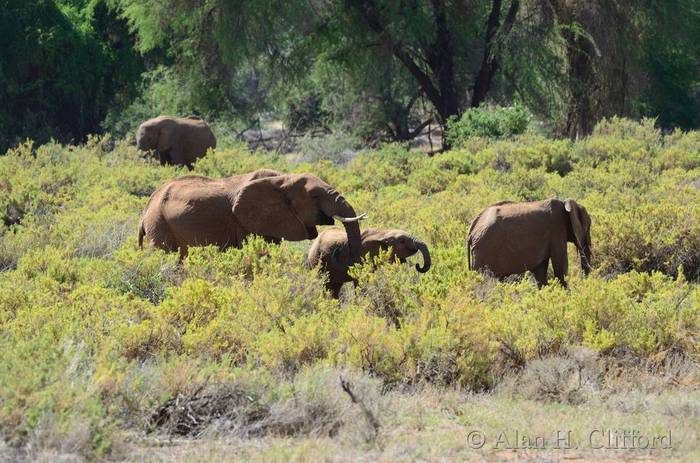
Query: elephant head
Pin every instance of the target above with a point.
(401, 243)
(580, 233)
(155, 134)
(291, 206)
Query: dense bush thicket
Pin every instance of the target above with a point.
(95, 333)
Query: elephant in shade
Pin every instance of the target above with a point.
(509, 238)
(177, 140)
(331, 249)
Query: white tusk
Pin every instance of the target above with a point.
(350, 219)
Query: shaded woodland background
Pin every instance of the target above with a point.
(376, 70)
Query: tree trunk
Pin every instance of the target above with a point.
(442, 64)
(490, 60)
(580, 117)
(438, 83)
(580, 52)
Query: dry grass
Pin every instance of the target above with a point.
(319, 402)
(319, 422)
(311, 417)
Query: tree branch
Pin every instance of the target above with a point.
(415, 132)
(490, 60)
(366, 9)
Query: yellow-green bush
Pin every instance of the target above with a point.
(87, 320)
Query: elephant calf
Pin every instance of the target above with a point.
(331, 249)
(509, 238)
(177, 140)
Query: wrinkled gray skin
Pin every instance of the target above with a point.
(177, 140)
(331, 249)
(510, 238)
(199, 211)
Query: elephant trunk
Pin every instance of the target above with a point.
(423, 248)
(140, 140)
(352, 229)
(351, 221)
(585, 255)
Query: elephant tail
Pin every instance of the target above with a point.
(142, 232)
(468, 246)
(469, 253)
(470, 264)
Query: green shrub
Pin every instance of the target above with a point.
(47, 396)
(490, 122)
(147, 277)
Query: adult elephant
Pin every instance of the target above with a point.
(509, 238)
(331, 249)
(177, 140)
(198, 211)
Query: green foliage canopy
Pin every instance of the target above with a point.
(62, 65)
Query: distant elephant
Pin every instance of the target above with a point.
(509, 238)
(177, 140)
(331, 249)
(199, 211)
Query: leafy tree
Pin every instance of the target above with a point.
(632, 57)
(389, 52)
(671, 63)
(229, 55)
(381, 69)
(62, 64)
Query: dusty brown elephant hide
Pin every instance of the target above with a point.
(331, 249)
(177, 140)
(509, 238)
(197, 211)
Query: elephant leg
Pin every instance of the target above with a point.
(164, 157)
(183, 159)
(560, 262)
(334, 288)
(540, 273)
(178, 158)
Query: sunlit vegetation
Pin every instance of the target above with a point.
(96, 333)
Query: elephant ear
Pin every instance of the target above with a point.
(574, 211)
(262, 208)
